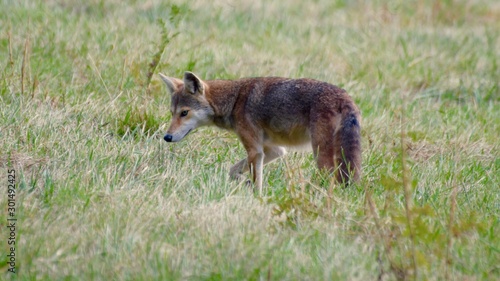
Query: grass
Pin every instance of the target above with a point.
(101, 196)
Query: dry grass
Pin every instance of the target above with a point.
(102, 197)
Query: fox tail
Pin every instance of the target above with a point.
(349, 164)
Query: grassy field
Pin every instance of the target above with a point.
(100, 195)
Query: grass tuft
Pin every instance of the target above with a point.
(138, 122)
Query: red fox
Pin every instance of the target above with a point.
(269, 114)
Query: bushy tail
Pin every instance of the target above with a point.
(349, 169)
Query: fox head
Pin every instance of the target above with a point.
(189, 106)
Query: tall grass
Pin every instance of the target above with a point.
(100, 195)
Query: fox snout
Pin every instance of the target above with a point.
(175, 136)
(168, 138)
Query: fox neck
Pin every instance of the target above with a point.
(222, 96)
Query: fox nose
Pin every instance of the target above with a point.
(168, 138)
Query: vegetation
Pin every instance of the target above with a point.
(100, 195)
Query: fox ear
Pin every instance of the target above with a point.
(172, 83)
(192, 83)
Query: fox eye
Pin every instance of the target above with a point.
(184, 113)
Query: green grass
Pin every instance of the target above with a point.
(102, 197)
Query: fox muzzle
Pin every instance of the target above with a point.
(168, 138)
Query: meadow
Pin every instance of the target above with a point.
(100, 196)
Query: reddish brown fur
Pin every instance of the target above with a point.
(270, 112)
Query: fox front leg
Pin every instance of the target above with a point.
(237, 170)
(255, 165)
(271, 153)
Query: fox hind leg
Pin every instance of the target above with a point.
(336, 145)
(323, 129)
(324, 153)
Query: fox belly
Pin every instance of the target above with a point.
(295, 137)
